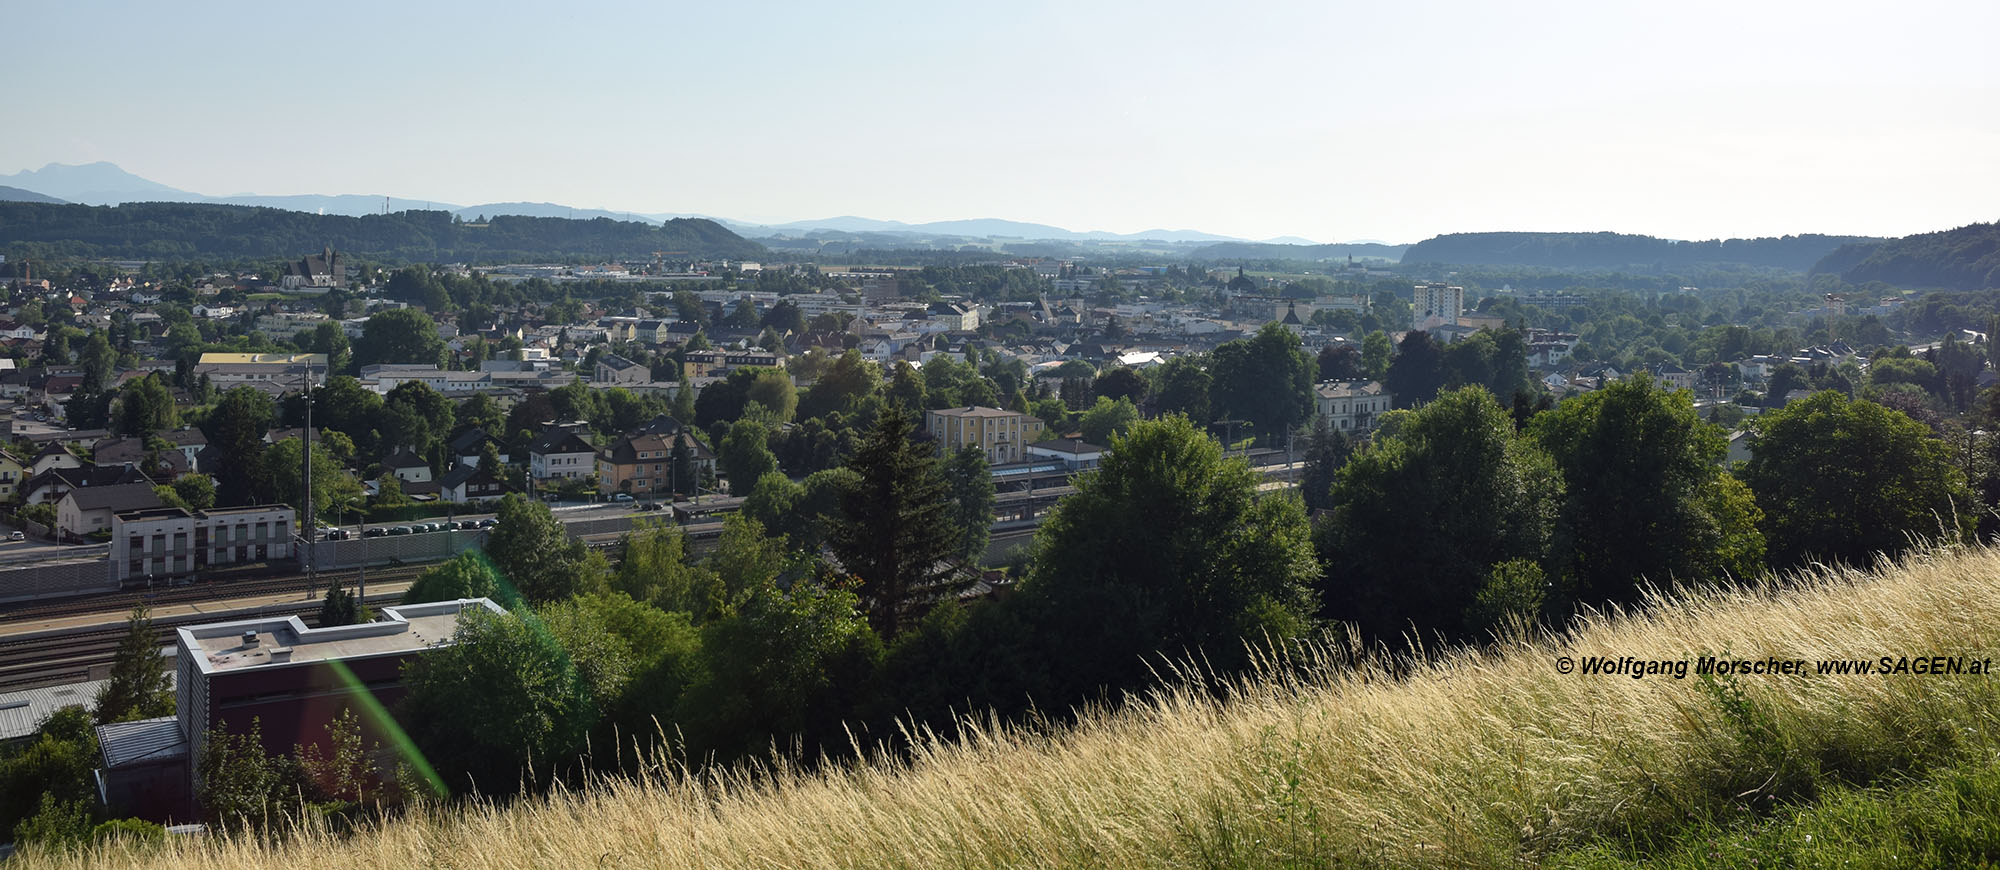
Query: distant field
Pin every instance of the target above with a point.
(1475, 758)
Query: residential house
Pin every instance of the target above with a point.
(13, 473)
(640, 464)
(471, 443)
(1351, 406)
(54, 454)
(561, 453)
(88, 509)
(407, 467)
(464, 483)
(1000, 434)
(50, 486)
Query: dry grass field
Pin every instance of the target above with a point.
(1472, 758)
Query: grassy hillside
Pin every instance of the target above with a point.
(1476, 758)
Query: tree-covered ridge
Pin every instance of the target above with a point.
(1618, 250)
(1967, 258)
(165, 229)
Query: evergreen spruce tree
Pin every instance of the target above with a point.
(897, 526)
(139, 687)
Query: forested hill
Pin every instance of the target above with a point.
(1263, 251)
(160, 230)
(1967, 258)
(1620, 251)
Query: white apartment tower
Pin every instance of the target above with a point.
(1436, 304)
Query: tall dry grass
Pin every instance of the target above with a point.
(1475, 758)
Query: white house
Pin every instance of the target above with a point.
(1352, 406)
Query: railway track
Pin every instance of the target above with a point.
(59, 657)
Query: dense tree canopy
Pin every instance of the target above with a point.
(1842, 480)
(1166, 547)
(1421, 517)
(1646, 496)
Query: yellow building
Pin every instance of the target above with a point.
(1002, 435)
(12, 473)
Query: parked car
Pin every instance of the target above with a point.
(402, 530)
(623, 496)
(488, 523)
(376, 532)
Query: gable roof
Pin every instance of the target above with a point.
(117, 497)
(404, 458)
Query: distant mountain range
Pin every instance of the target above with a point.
(106, 184)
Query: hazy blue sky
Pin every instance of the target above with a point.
(1335, 121)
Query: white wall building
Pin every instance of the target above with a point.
(1351, 406)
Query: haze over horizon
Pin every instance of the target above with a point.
(1333, 122)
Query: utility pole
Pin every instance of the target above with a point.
(309, 523)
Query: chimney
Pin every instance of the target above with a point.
(249, 638)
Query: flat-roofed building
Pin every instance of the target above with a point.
(172, 542)
(1002, 435)
(293, 680)
(284, 370)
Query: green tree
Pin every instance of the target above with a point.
(466, 575)
(896, 526)
(98, 361)
(772, 390)
(655, 569)
(332, 485)
(1843, 481)
(534, 552)
(235, 428)
(1266, 379)
(53, 769)
(972, 500)
(502, 696)
(785, 666)
(340, 607)
(1166, 548)
(197, 491)
(1184, 389)
(1326, 451)
(240, 785)
(399, 335)
(1642, 471)
(140, 686)
(1107, 419)
(847, 381)
(1376, 351)
(1421, 517)
(146, 406)
(745, 455)
(330, 339)
(1418, 372)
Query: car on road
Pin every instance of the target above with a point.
(376, 532)
(17, 536)
(402, 530)
(489, 522)
(622, 497)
